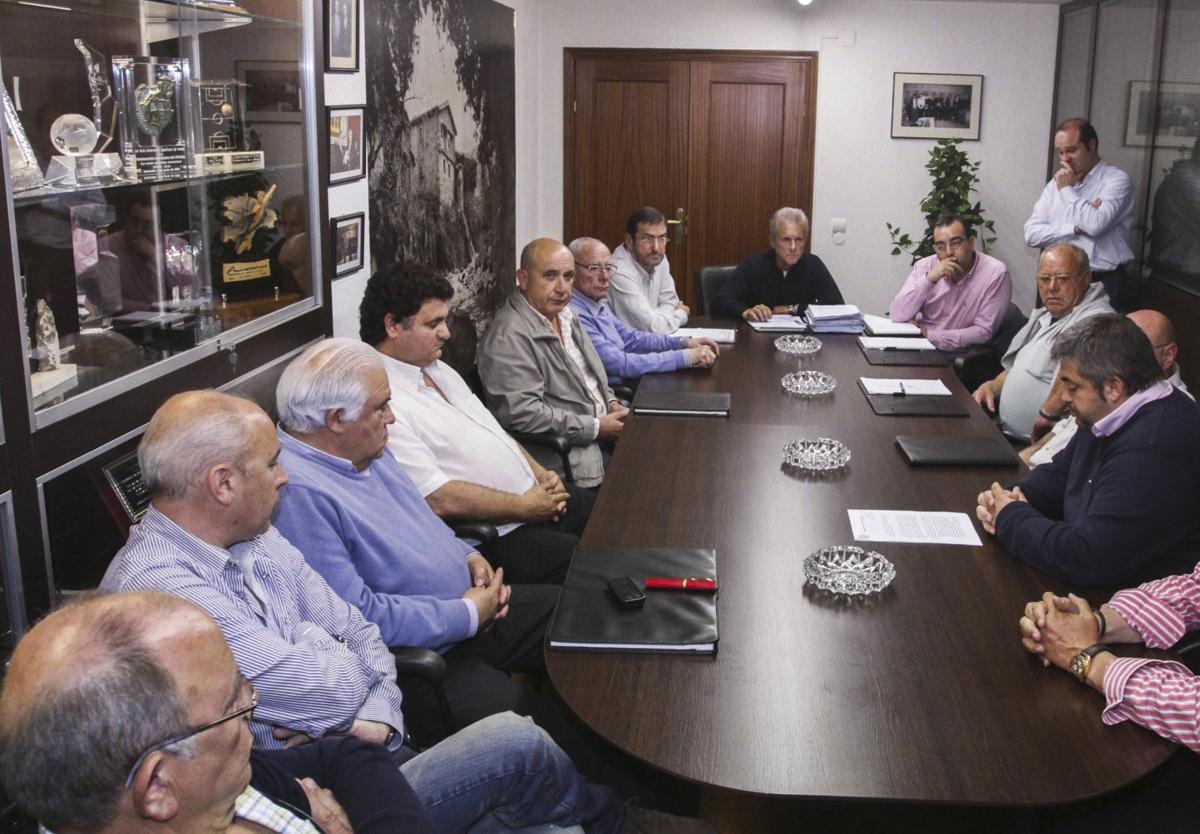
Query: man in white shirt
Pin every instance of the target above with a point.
(463, 463)
(643, 292)
(1088, 203)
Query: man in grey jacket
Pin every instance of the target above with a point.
(540, 370)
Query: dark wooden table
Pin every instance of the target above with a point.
(922, 693)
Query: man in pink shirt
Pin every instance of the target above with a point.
(958, 296)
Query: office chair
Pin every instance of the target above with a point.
(708, 283)
(977, 364)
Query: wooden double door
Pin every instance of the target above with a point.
(717, 141)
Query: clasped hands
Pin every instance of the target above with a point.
(1057, 628)
(704, 351)
(547, 499)
(991, 501)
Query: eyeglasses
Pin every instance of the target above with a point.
(247, 711)
(952, 243)
(1060, 280)
(595, 269)
(660, 239)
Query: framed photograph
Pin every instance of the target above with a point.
(347, 157)
(927, 106)
(347, 235)
(1178, 122)
(341, 35)
(272, 91)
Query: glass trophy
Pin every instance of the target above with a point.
(23, 165)
(154, 130)
(75, 136)
(220, 122)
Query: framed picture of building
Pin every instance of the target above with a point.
(341, 35)
(928, 106)
(347, 159)
(347, 233)
(1177, 122)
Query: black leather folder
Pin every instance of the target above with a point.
(588, 617)
(877, 356)
(910, 405)
(950, 450)
(681, 403)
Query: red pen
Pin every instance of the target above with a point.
(671, 583)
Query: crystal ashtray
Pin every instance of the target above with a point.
(821, 455)
(798, 345)
(809, 383)
(849, 570)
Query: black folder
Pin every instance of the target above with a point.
(681, 403)
(951, 450)
(890, 356)
(588, 617)
(913, 405)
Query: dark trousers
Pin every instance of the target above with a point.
(1116, 284)
(541, 553)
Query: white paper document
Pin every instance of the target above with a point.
(719, 335)
(895, 343)
(883, 326)
(780, 324)
(908, 387)
(912, 527)
(832, 311)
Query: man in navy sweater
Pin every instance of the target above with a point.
(1118, 505)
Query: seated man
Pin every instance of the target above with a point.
(126, 712)
(627, 353)
(1119, 503)
(450, 445)
(643, 291)
(540, 370)
(1160, 332)
(211, 464)
(958, 296)
(1064, 283)
(782, 279)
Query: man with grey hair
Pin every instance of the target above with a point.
(1118, 505)
(1068, 295)
(783, 279)
(643, 290)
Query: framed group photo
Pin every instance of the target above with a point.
(347, 158)
(929, 106)
(341, 35)
(347, 234)
(1178, 118)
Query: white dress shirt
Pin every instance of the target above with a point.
(1105, 227)
(644, 300)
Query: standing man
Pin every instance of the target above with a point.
(1088, 203)
(643, 291)
(958, 296)
(783, 279)
(626, 352)
(540, 370)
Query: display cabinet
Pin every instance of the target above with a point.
(163, 215)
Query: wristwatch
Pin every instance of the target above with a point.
(1082, 662)
(793, 309)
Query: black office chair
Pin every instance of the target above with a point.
(708, 283)
(977, 364)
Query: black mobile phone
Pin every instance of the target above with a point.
(627, 592)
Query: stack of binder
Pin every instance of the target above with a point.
(834, 318)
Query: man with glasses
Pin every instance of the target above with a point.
(626, 352)
(126, 712)
(957, 296)
(1065, 284)
(783, 279)
(643, 291)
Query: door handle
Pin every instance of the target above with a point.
(679, 232)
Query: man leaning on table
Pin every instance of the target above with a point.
(643, 290)
(783, 279)
(1119, 503)
(1065, 284)
(957, 296)
(626, 352)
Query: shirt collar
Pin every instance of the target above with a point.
(591, 304)
(311, 453)
(409, 374)
(1122, 414)
(213, 557)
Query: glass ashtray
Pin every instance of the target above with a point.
(798, 345)
(821, 455)
(809, 383)
(849, 570)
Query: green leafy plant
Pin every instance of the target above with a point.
(954, 178)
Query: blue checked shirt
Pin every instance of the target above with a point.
(316, 662)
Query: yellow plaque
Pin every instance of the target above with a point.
(245, 271)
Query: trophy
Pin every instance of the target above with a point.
(150, 99)
(75, 136)
(220, 121)
(22, 163)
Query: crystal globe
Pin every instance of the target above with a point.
(74, 134)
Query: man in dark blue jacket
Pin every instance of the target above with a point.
(1118, 505)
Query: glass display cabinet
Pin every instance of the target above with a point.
(164, 208)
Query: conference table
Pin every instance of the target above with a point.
(922, 693)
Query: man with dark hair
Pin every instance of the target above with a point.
(460, 459)
(643, 291)
(1088, 203)
(957, 296)
(783, 279)
(1119, 503)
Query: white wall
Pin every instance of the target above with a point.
(861, 174)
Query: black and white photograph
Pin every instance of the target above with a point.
(1178, 120)
(341, 35)
(272, 91)
(928, 106)
(347, 233)
(441, 150)
(346, 160)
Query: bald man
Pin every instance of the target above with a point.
(1160, 332)
(540, 370)
(126, 712)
